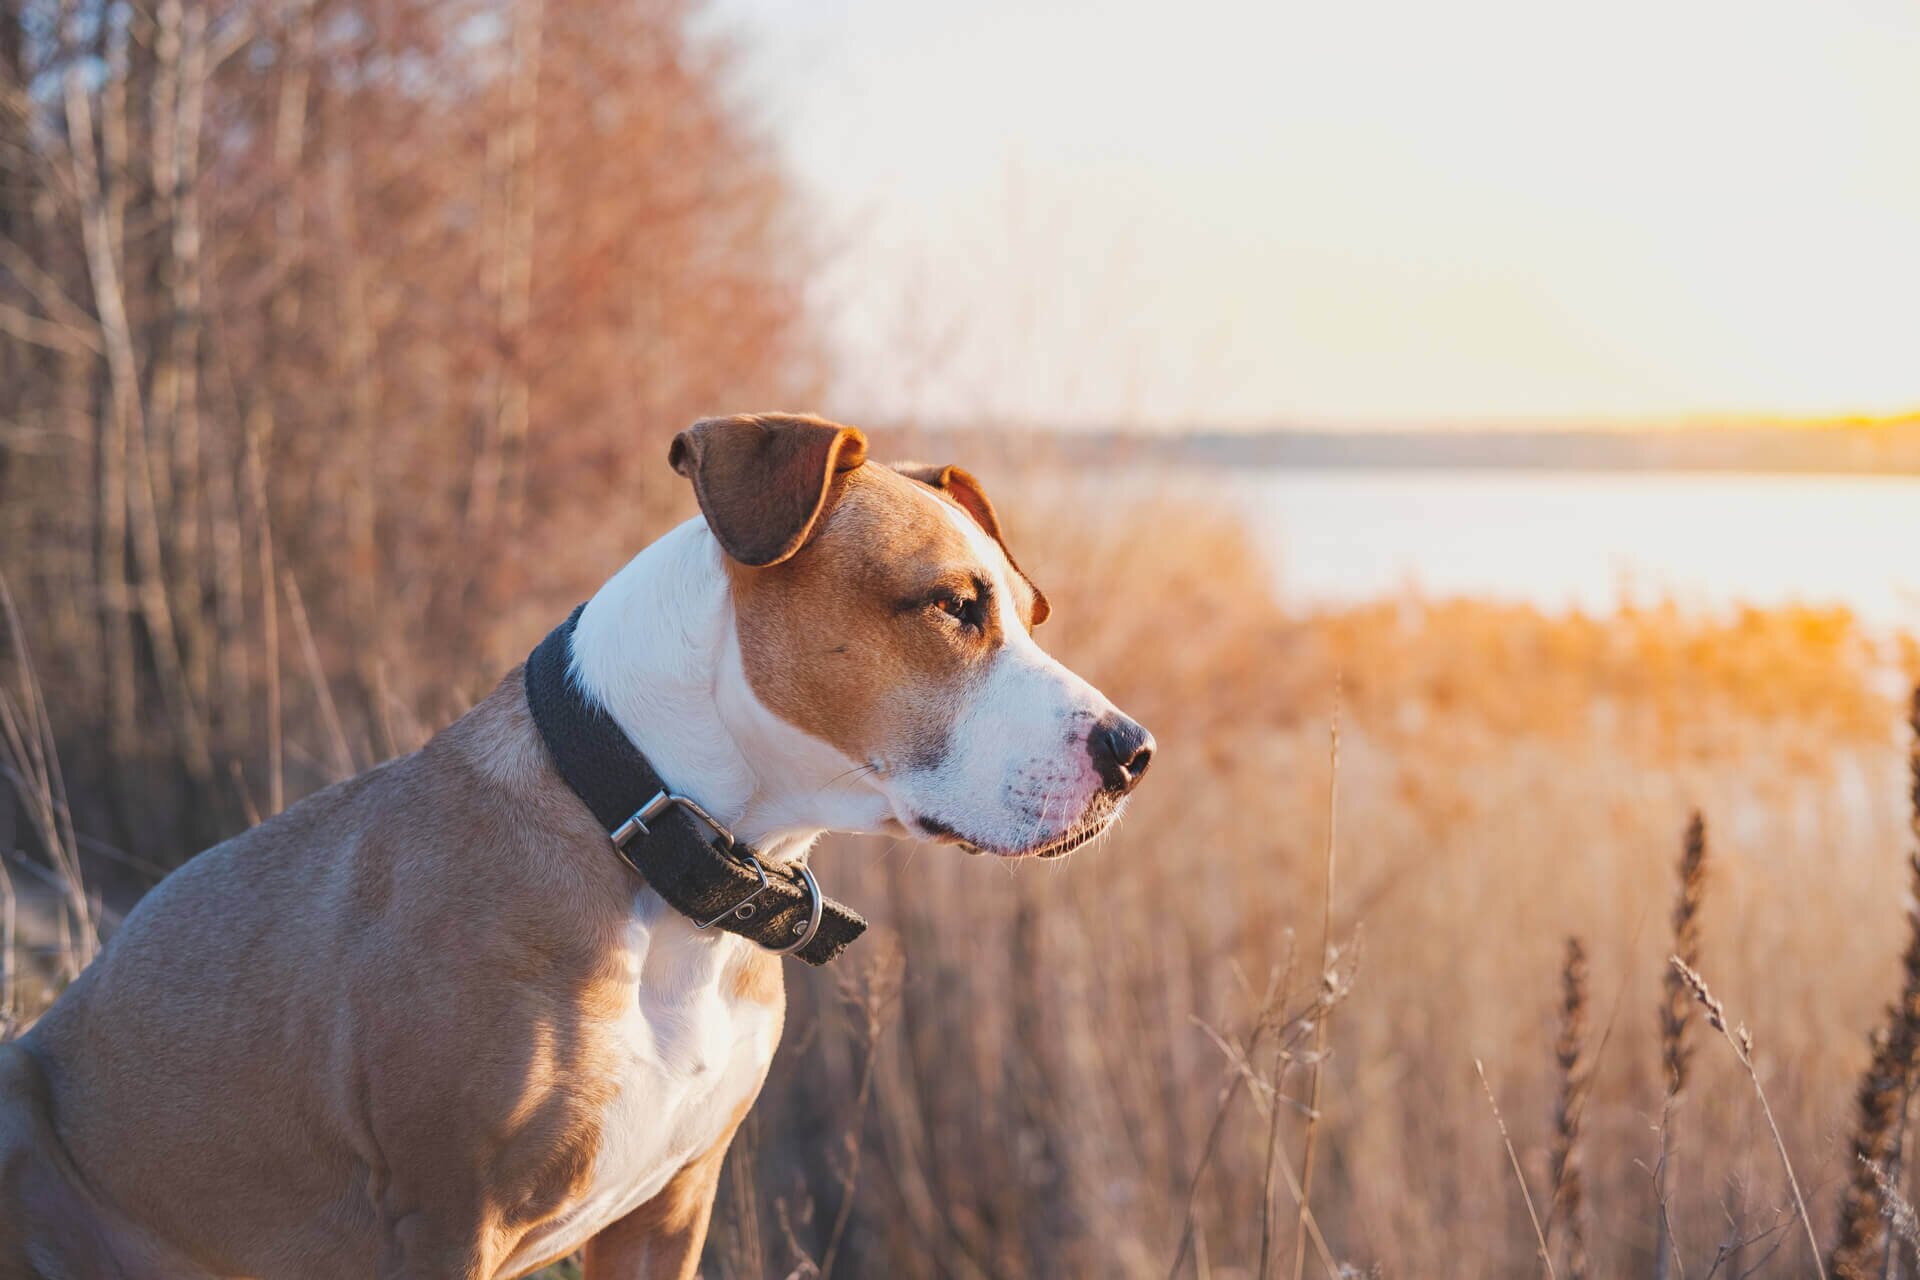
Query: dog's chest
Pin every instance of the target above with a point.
(690, 1051)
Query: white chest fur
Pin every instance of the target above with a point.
(690, 1052)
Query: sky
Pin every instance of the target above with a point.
(1363, 213)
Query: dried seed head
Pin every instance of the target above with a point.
(1676, 1010)
(1569, 1052)
(1716, 1012)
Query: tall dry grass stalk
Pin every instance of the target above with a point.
(1740, 1040)
(1676, 1011)
(1315, 1067)
(1513, 1158)
(1866, 1248)
(1568, 1208)
(30, 759)
(1283, 1033)
(871, 995)
(1903, 1223)
(1287, 1034)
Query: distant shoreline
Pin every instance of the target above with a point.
(1889, 449)
(1877, 450)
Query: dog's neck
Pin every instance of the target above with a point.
(657, 647)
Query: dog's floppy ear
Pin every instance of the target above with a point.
(964, 489)
(763, 479)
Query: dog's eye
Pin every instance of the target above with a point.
(962, 609)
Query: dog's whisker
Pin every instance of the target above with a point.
(858, 771)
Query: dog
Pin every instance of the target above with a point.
(466, 1013)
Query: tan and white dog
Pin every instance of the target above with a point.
(426, 1023)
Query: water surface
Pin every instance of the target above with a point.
(1589, 540)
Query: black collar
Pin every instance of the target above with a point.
(682, 853)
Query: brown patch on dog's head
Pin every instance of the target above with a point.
(867, 635)
(763, 479)
(960, 485)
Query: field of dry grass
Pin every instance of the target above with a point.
(339, 348)
(1065, 1037)
(1069, 1069)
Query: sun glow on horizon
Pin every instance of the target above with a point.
(1376, 212)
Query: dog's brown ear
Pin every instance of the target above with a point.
(763, 479)
(960, 485)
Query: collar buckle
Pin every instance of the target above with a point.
(637, 824)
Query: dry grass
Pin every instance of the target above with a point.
(1741, 1042)
(1519, 1175)
(1045, 1093)
(277, 289)
(1472, 837)
(1570, 1056)
(34, 786)
(1866, 1246)
(1675, 1015)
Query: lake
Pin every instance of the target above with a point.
(1589, 540)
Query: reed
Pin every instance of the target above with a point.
(1513, 1159)
(30, 770)
(1676, 1010)
(1902, 1221)
(1740, 1040)
(1568, 1210)
(1885, 1096)
(1285, 1032)
(1316, 1065)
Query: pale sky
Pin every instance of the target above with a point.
(1354, 212)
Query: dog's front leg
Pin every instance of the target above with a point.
(662, 1239)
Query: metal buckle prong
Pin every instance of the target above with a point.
(636, 825)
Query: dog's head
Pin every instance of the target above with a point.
(878, 609)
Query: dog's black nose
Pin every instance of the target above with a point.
(1121, 752)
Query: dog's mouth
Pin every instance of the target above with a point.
(1085, 834)
(1098, 819)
